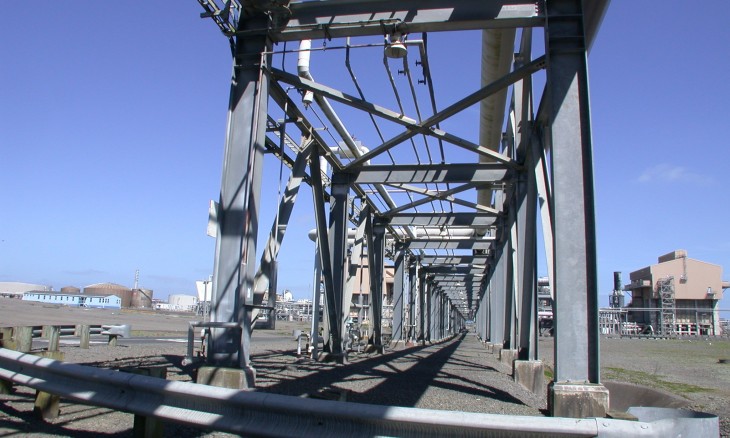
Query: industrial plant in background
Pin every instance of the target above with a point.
(94, 295)
(677, 296)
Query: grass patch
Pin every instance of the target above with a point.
(651, 380)
(549, 374)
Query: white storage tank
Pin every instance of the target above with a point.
(182, 302)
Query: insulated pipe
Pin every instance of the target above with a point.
(497, 53)
(303, 71)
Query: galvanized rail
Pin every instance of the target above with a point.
(261, 414)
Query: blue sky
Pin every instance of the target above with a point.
(112, 121)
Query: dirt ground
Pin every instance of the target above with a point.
(693, 370)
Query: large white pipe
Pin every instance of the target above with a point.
(497, 53)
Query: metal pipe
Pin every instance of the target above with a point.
(497, 53)
(262, 414)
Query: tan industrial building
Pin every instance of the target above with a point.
(677, 296)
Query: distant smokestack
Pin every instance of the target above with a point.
(617, 281)
(616, 300)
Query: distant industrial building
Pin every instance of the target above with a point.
(74, 300)
(15, 289)
(677, 296)
(129, 298)
(135, 298)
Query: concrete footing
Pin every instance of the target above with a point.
(232, 378)
(577, 400)
(530, 374)
(494, 348)
(507, 357)
(372, 348)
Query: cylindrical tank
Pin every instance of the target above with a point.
(182, 300)
(104, 289)
(70, 290)
(142, 298)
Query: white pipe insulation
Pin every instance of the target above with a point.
(497, 53)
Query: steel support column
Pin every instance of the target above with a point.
(235, 253)
(412, 294)
(376, 258)
(527, 270)
(356, 261)
(575, 287)
(511, 280)
(332, 340)
(428, 310)
(498, 297)
(316, 301)
(398, 293)
(338, 251)
(423, 287)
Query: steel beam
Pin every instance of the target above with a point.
(451, 110)
(413, 292)
(376, 257)
(576, 285)
(476, 244)
(454, 270)
(399, 285)
(338, 19)
(526, 202)
(339, 96)
(454, 260)
(471, 219)
(331, 334)
(430, 173)
(235, 250)
(338, 252)
(356, 259)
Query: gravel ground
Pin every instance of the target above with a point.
(455, 375)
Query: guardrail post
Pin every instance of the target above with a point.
(23, 338)
(47, 406)
(6, 338)
(6, 334)
(113, 340)
(6, 341)
(83, 331)
(6, 387)
(144, 426)
(53, 332)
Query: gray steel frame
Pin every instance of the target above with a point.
(498, 289)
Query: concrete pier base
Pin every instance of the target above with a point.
(232, 378)
(577, 400)
(530, 374)
(494, 348)
(507, 357)
(372, 348)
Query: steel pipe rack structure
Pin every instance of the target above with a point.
(458, 211)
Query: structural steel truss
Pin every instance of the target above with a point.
(346, 94)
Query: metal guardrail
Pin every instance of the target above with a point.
(269, 415)
(21, 337)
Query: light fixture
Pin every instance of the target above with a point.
(394, 47)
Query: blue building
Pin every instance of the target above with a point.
(75, 300)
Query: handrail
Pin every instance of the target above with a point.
(262, 414)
